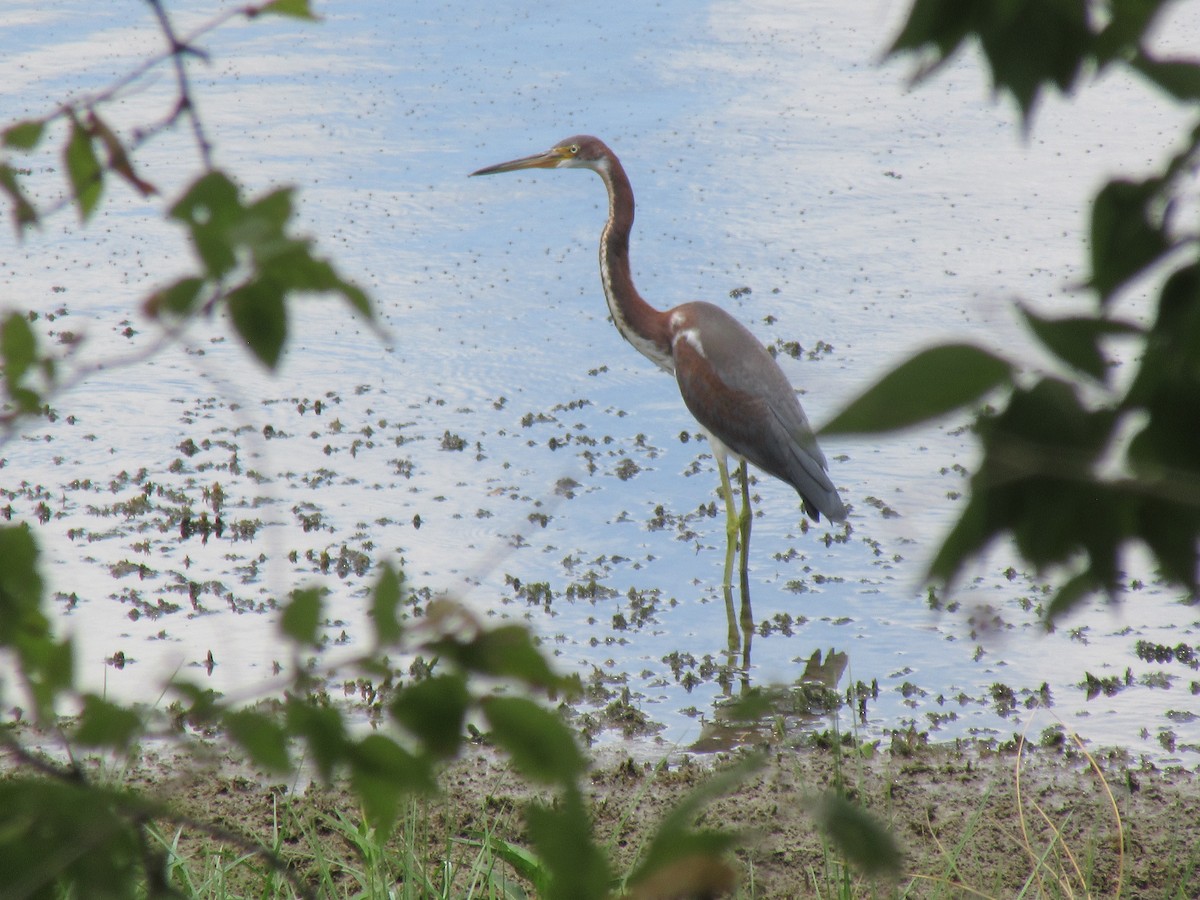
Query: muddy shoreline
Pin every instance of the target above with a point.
(971, 821)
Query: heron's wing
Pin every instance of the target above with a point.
(736, 390)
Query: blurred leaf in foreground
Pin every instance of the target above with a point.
(868, 845)
(933, 383)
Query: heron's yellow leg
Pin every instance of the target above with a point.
(745, 519)
(734, 634)
(731, 519)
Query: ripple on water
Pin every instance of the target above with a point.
(860, 215)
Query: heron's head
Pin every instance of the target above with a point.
(579, 152)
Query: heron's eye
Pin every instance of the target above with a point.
(574, 149)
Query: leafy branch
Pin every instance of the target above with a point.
(61, 830)
(249, 261)
(88, 131)
(1060, 477)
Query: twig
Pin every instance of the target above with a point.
(71, 773)
(86, 101)
(185, 106)
(178, 47)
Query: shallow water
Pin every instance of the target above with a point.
(769, 151)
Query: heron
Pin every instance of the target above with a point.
(729, 382)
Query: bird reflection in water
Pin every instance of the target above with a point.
(764, 715)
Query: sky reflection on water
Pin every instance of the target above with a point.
(768, 150)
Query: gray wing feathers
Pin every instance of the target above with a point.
(806, 468)
(750, 406)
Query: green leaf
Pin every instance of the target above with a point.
(1070, 594)
(434, 710)
(83, 170)
(21, 588)
(1034, 43)
(46, 664)
(261, 737)
(1166, 392)
(1179, 78)
(1037, 481)
(678, 851)
(305, 272)
(23, 211)
(314, 274)
(1029, 44)
(179, 299)
(755, 704)
(970, 534)
(18, 349)
(104, 724)
(385, 603)
(66, 839)
(323, 730)
(1047, 429)
(24, 135)
(18, 354)
(699, 868)
(541, 746)
(301, 618)
(577, 868)
(860, 837)
(718, 785)
(203, 702)
(381, 773)
(260, 317)
(1124, 241)
(938, 24)
(1173, 341)
(260, 230)
(49, 670)
(296, 9)
(1076, 340)
(211, 208)
(1169, 529)
(504, 652)
(118, 156)
(1127, 23)
(933, 383)
(523, 861)
(357, 298)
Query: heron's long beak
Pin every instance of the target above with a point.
(547, 160)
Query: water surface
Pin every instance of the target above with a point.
(769, 151)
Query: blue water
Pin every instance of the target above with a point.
(768, 149)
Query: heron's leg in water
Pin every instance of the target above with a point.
(731, 518)
(746, 518)
(741, 632)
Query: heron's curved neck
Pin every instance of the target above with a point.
(639, 323)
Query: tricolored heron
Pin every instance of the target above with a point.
(728, 380)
